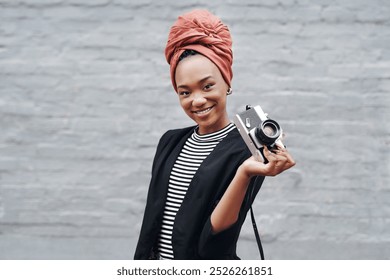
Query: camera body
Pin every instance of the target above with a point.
(257, 131)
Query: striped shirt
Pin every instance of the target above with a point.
(194, 152)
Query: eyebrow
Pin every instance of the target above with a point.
(199, 82)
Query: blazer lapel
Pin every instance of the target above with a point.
(163, 167)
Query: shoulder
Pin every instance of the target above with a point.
(176, 133)
(173, 136)
(232, 150)
(234, 142)
(169, 140)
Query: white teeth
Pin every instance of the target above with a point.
(204, 111)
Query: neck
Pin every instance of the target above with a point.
(205, 129)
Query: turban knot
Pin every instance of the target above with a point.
(203, 32)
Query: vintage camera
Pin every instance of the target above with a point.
(258, 131)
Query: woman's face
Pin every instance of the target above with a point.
(202, 92)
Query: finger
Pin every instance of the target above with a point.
(289, 158)
(280, 158)
(269, 155)
(285, 160)
(270, 152)
(286, 154)
(280, 147)
(279, 150)
(281, 163)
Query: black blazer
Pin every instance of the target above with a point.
(192, 237)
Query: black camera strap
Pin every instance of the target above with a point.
(257, 234)
(254, 221)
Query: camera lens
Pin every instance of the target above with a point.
(267, 132)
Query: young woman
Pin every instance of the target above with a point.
(204, 179)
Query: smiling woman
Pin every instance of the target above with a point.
(202, 92)
(204, 179)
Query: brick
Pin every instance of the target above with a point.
(337, 14)
(88, 3)
(85, 96)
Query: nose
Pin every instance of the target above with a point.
(198, 100)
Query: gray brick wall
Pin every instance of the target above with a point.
(85, 95)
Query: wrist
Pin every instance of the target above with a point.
(243, 173)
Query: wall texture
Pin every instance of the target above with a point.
(85, 95)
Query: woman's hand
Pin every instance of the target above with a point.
(278, 161)
(227, 210)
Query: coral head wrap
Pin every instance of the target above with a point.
(205, 33)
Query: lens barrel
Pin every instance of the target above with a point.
(267, 132)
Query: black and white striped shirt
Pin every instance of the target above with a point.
(194, 152)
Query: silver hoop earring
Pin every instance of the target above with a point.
(229, 92)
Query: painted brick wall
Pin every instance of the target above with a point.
(85, 95)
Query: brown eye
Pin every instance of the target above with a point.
(184, 93)
(208, 86)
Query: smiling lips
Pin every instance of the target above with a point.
(204, 111)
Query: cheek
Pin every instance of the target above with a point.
(222, 99)
(185, 104)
